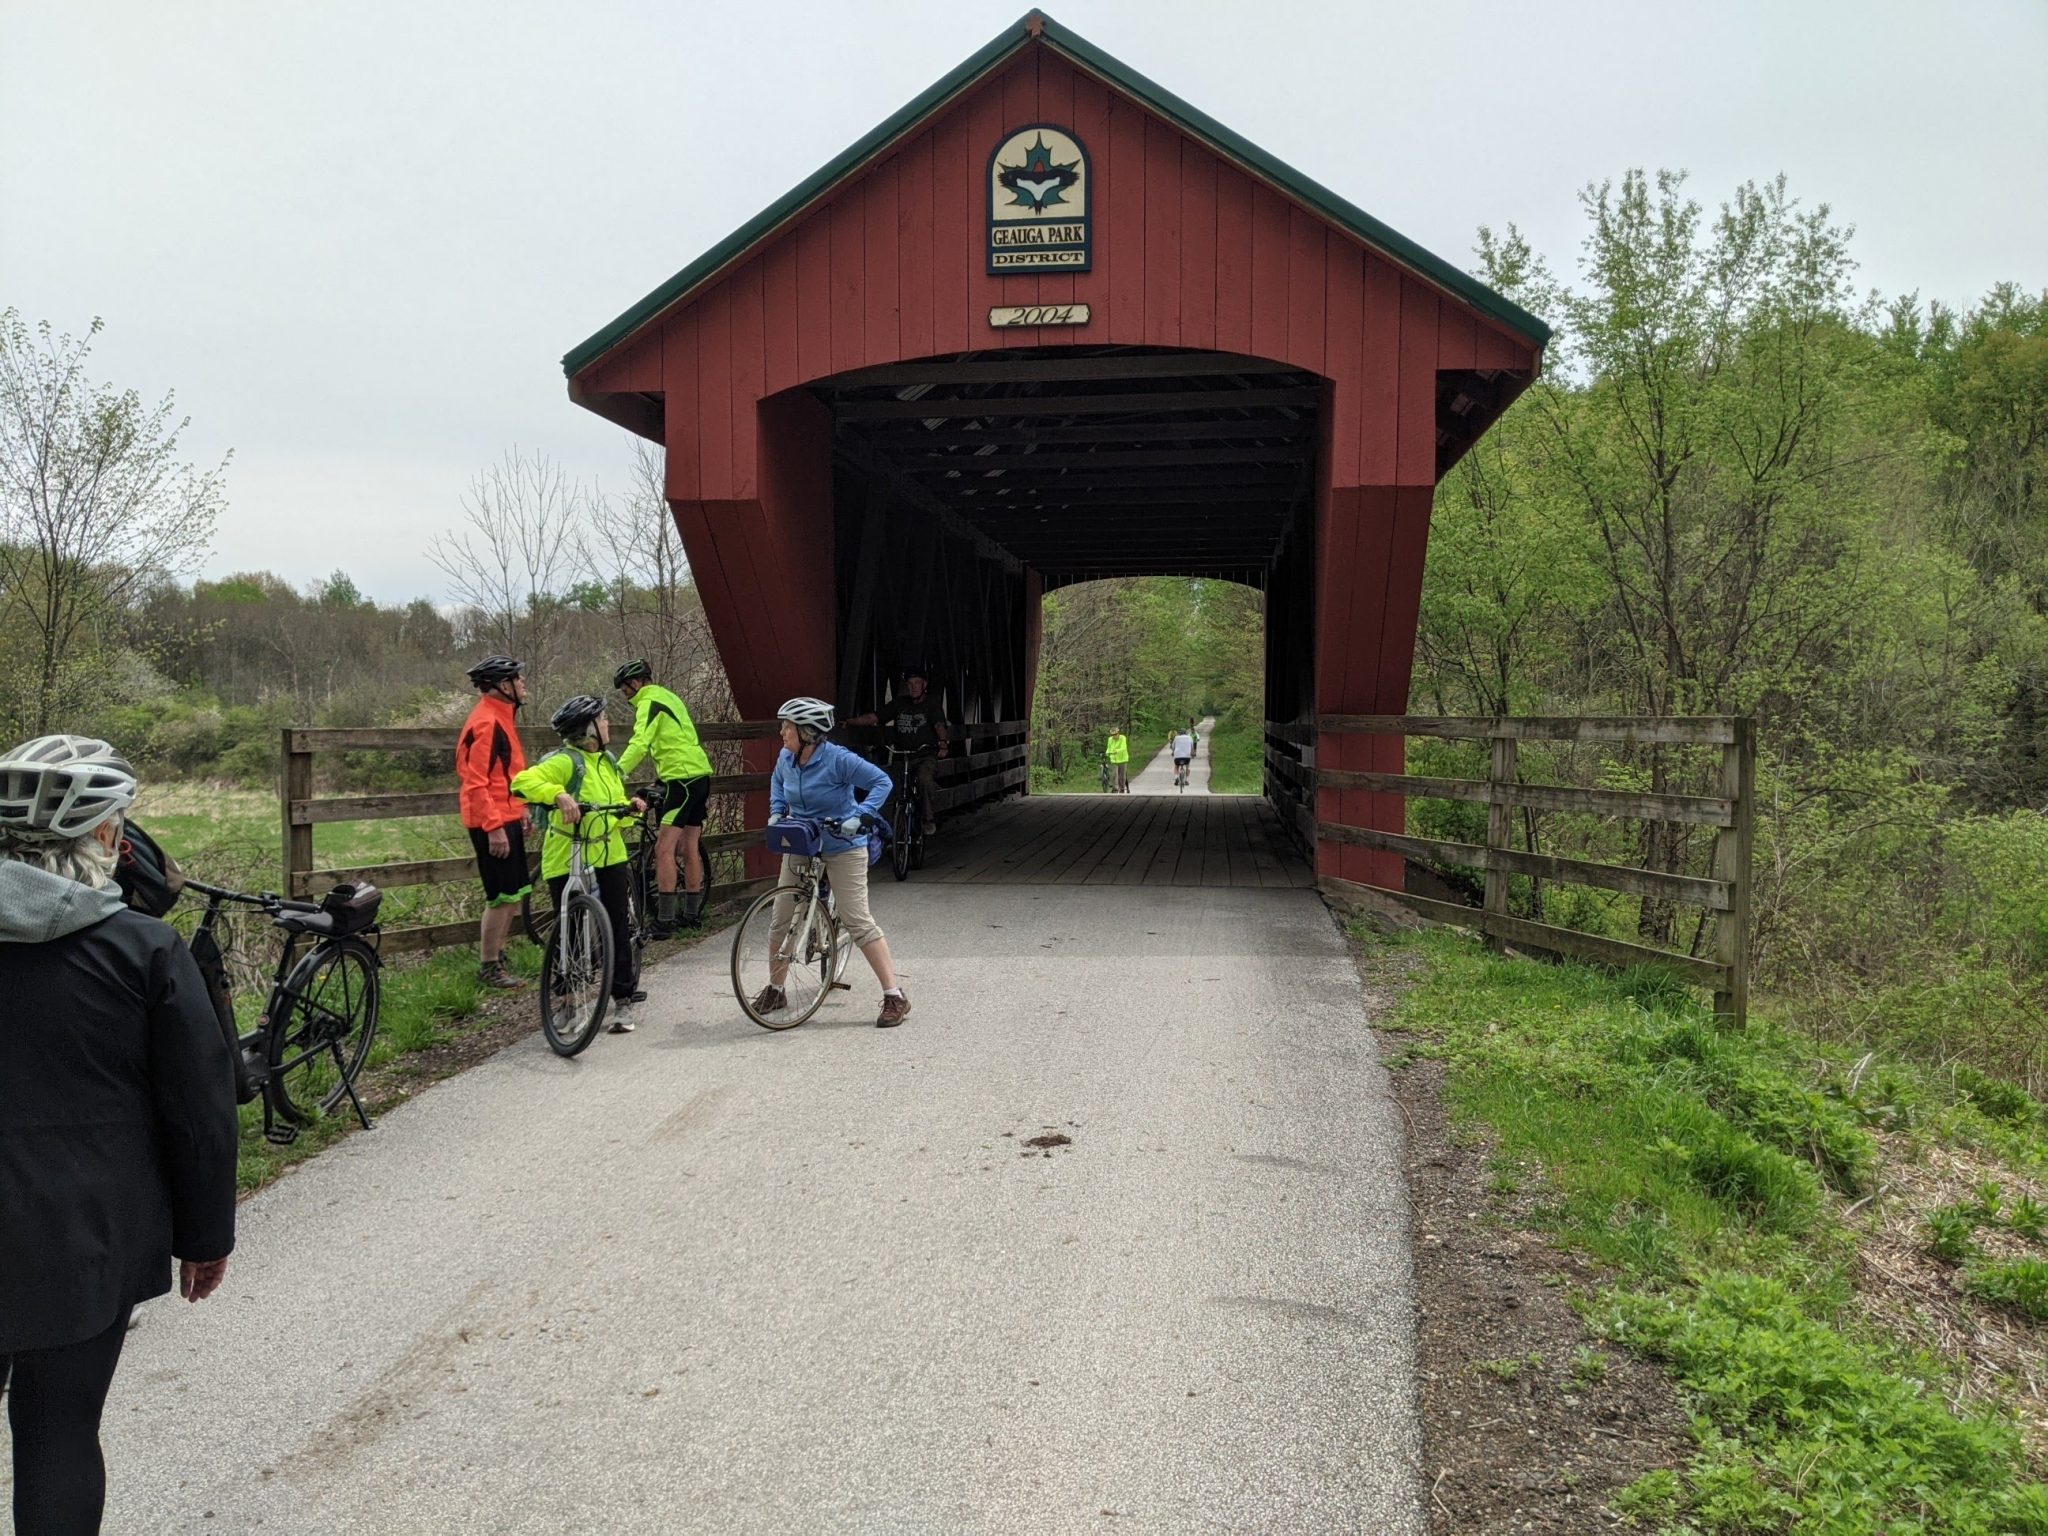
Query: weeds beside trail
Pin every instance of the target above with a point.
(1840, 1260)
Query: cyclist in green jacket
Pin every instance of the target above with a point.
(579, 773)
(663, 730)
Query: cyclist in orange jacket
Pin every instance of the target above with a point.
(487, 755)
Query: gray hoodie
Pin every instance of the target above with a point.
(37, 906)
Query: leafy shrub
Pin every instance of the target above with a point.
(2021, 1284)
(1995, 1097)
(1951, 1233)
(2027, 1217)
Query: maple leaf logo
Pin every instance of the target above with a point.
(1038, 184)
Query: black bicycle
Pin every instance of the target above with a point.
(315, 1032)
(906, 831)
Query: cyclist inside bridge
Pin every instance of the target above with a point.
(663, 730)
(581, 772)
(914, 723)
(488, 756)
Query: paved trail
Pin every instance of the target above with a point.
(1156, 776)
(711, 1279)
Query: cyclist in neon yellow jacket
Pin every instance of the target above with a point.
(663, 730)
(579, 773)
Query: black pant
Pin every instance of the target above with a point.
(54, 1401)
(612, 886)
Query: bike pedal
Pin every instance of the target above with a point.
(842, 986)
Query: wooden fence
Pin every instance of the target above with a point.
(302, 811)
(989, 759)
(1293, 778)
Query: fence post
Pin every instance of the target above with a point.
(1732, 850)
(1500, 826)
(294, 782)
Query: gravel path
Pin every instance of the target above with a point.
(708, 1278)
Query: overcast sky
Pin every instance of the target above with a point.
(357, 237)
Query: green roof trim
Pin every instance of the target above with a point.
(1011, 40)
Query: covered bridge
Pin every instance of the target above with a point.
(1050, 323)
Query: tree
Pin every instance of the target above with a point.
(95, 506)
(516, 556)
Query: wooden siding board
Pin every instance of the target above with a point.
(847, 318)
(814, 297)
(914, 249)
(1121, 240)
(749, 376)
(1056, 105)
(956, 230)
(683, 426)
(1197, 247)
(987, 122)
(1233, 261)
(1380, 394)
(881, 340)
(1415, 451)
(1091, 126)
(779, 318)
(1495, 349)
(1344, 357)
(1162, 234)
(1269, 273)
(1306, 295)
(1457, 338)
(714, 392)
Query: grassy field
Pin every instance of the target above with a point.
(1839, 1258)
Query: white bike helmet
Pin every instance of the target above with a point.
(61, 787)
(807, 715)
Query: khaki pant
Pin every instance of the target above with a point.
(849, 874)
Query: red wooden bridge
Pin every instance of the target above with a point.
(1050, 323)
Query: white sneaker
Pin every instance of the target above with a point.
(622, 1019)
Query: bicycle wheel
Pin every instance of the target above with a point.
(576, 974)
(808, 956)
(537, 914)
(320, 1027)
(904, 824)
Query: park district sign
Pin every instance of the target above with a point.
(1038, 203)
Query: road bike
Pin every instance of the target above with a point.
(906, 834)
(812, 952)
(315, 1031)
(576, 964)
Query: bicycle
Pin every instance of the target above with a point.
(317, 1024)
(536, 908)
(1180, 772)
(576, 964)
(812, 946)
(906, 835)
(1108, 775)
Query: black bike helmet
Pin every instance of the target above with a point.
(493, 670)
(628, 670)
(573, 720)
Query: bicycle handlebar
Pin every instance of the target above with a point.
(269, 901)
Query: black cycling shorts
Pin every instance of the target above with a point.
(506, 878)
(685, 801)
(1182, 762)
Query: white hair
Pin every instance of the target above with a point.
(85, 859)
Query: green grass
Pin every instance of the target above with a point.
(1707, 1168)
(1237, 756)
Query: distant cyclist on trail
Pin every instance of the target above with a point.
(1119, 754)
(581, 772)
(663, 730)
(815, 778)
(488, 756)
(1183, 754)
(913, 721)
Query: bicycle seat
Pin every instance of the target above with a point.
(312, 922)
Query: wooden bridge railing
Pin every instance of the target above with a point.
(302, 811)
(1293, 777)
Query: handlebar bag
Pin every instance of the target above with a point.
(799, 837)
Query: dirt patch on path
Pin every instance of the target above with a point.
(1528, 1423)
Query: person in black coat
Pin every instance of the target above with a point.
(117, 1121)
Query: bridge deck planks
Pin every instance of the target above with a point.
(1213, 841)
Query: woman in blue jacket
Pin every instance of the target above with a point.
(815, 778)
